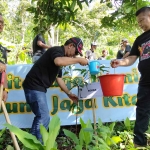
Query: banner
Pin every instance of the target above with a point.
(108, 109)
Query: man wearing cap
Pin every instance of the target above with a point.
(127, 48)
(90, 54)
(44, 72)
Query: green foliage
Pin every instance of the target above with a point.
(106, 136)
(87, 24)
(85, 138)
(31, 143)
(123, 17)
(19, 56)
(49, 13)
(9, 148)
(1, 138)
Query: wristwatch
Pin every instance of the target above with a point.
(5, 89)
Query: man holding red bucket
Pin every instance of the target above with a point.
(141, 50)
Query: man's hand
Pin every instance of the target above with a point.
(5, 96)
(115, 63)
(73, 97)
(83, 61)
(2, 67)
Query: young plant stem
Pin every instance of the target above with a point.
(93, 110)
(77, 113)
(94, 116)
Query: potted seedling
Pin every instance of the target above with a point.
(79, 84)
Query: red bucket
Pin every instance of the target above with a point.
(112, 84)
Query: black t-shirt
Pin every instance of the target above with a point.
(127, 49)
(120, 54)
(39, 37)
(141, 48)
(44, 71)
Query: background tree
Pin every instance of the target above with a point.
(106, 22)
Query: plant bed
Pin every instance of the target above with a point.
(109, 136)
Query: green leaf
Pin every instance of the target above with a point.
(87, 136)
(65, 73)
(128, 10)
(76, 109)
(112, 125)
(93, 78)
(71, 135)
(79, 4)
(27, 139)
(99, 122)
(104, 143)
(2, 131)
(53, 123)
(72, 106)
(81, 138)
(78, 147)
(127, 123)
(116, 139)
(73, 5)
(83, 125)
(54, 128)
(44, 134)
(77, 70)
(9, 148)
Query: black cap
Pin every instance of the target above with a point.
(78, 43)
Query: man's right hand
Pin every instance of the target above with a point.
(2, 67)
(83, 61)
(115, 63)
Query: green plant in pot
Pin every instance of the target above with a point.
(79, 84)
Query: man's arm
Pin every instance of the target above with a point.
(64, 88)
(65, 61)
(41, 44)
(62, 85)
(128, 61)
(2, 67)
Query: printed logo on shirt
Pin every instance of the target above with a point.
(144, 50)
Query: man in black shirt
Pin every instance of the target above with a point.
(120, 53)
(44, 72)
(39, 47)
(127, 48)
(141, 50)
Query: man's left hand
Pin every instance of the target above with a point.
(73, 97)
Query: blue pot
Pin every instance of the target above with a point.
(94, 67)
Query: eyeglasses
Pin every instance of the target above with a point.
(2, 23)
